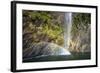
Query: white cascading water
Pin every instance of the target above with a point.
(67, 29)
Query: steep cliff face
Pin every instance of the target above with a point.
(81, 43)
(81, 33)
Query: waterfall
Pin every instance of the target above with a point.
(67, 29)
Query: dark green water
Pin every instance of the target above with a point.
(74, 56)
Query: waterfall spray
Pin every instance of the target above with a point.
(67, 29)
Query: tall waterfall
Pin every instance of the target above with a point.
(67, 29)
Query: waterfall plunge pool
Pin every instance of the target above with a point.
(73, 56)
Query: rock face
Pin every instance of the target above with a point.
(81, 42)
(44, 49)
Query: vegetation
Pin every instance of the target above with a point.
(43, 26)
(81, 21)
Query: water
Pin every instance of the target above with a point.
(73, 56)
(67, 33)
(67, 29)
(64, 52)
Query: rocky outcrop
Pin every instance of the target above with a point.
(44, 49)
